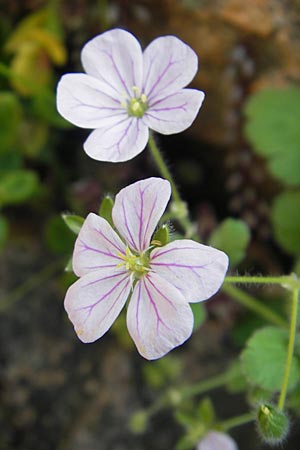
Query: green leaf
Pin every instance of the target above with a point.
(272, 126)
(285, 216)
(232, 236)
(73, 222)
(105, 209)
(3, 231)
(199, 312)
(10, 119)
(264, 358)
(17, 186)
(59, 238)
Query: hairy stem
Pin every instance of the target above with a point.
(290, 351)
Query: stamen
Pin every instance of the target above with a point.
(137, 265)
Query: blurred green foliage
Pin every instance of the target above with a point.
(30, 50)
(232, 236)
(286, 220)
(272, 127)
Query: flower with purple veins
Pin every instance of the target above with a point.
(215, 440)
(125, 91)
(160, 281)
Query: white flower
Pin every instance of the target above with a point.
(215, 440)
(125, 91)
(160, 281)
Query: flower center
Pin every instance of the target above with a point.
(136, 265)
(137, 105)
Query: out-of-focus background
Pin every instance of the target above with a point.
(240, 159)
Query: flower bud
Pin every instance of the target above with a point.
(272, 423)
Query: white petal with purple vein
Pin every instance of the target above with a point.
(97, 247)
(158, 317)
(138, 208)
(121, 141)
(174, 113)
(197, 270)
(169, 65)
(114, 57)
(215, 440)
(86, 102)
(94, 302)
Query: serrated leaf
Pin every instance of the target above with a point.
(285, 216)
(73, 222)
(272, 126)
(232, 236)
(264, 358)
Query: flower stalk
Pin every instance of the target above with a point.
(290, 351)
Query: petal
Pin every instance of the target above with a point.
(97, 247)
(94, 302)
(158, 317)
(123, 140)
(169, 65)
(174, 113)
(137, 210)
(84, 101)
(217, 440)
(197, 270)
(114, 57)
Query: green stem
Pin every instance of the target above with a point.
(284, 280)
(252, 303)
(187, 392)
(207, 385)
(237, 421)
(163, 168)
(290, 351)
(178, 210)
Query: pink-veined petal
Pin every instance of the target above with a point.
(97, 247)
(137, 210)
(197, 270)
(174, 113)
(95, 300)
(123, 140)
(169, 65)
(158, 317)
(84, 101)
(215, 440)
(115, 57)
